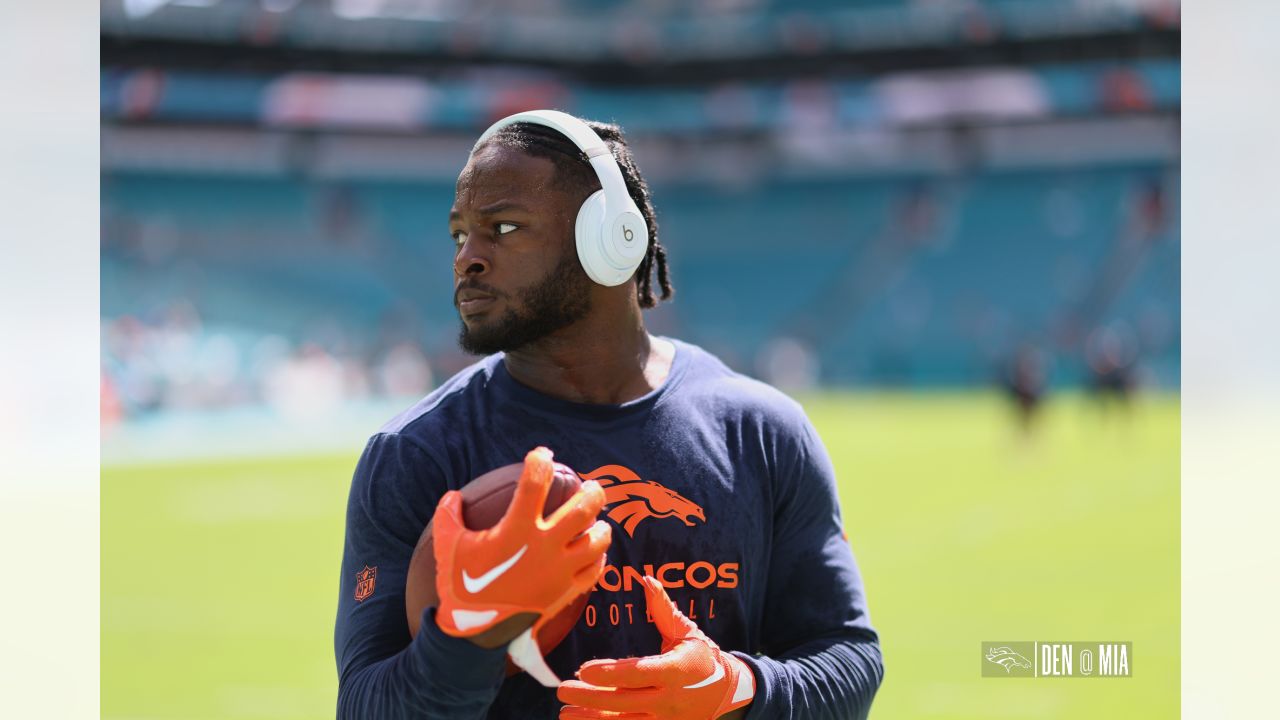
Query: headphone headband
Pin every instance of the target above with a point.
(564, 123)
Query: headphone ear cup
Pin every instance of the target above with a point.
(611, 254)
(589, 232)
(610, 248)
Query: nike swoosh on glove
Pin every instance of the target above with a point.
(691, 680)
(524, 564)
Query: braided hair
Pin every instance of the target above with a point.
(575, 174)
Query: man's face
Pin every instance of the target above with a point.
(516, 272)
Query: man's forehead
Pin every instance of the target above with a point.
(505, 169)
(499, 179)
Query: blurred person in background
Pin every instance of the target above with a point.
(1112, 357)
(1025, 380)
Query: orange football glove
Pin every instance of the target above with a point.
(691, 680)
(524, 564)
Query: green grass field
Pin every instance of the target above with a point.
(219, 580)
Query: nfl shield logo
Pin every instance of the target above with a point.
(365, 580)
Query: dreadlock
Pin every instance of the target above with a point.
(574, 173)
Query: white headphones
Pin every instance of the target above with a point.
(611, 233)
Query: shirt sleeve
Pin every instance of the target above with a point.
(382, 674)
(820, 655)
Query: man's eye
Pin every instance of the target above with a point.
(459, 238)
(504, 228)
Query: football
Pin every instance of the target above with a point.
(484, 502)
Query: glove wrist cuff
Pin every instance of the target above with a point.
(742, 688)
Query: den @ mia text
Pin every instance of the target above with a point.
(1033, 658)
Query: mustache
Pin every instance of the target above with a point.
(479, 286)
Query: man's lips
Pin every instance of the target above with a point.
(471, 301)
(474, 305)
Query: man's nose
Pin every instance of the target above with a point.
(470, 259)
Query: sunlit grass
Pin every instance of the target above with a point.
(219, 580)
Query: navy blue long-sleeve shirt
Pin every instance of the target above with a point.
(715, 483)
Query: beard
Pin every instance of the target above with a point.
(557, 301)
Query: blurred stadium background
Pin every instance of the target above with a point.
(950, 227)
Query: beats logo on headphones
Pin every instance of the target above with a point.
(612, 236)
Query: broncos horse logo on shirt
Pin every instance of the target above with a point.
(630, 500)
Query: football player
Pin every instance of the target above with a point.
(707, 532)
